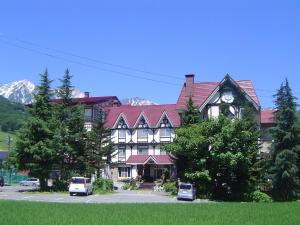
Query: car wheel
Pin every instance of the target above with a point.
(71, 193)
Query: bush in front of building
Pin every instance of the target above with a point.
(170, 187)
(102, 185)
(133, 184)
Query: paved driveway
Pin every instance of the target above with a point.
(23, 193)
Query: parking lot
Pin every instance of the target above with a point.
(26, 194)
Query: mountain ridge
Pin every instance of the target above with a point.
(22, 91)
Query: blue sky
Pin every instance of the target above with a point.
(257, 40)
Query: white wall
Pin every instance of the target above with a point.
(151, 150)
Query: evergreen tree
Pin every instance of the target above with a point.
(70, 134)
(99, 144)
(33, 150)
(188, 117)
(191, 114)
(283, 158)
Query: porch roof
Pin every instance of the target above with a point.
(144, 159)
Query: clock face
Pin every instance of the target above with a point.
(227, 97)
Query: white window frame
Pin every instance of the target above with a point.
(143, 150)
(124, 172)
(122, 138)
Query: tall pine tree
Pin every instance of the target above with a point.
(33, 150)
(99, 144)
(283, 158)
(70, 134)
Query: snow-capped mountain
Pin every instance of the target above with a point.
(136, 101)
(22, 91)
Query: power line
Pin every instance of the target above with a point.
(88, 65)
(112, 71)
(92, 59)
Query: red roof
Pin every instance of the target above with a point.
(152, 113)
(202, 90)
(89, 100)
(267, 116)
(143, 159)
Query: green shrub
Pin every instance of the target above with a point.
(103, 185)
(258, 196)
(171, 187)
(133, 184)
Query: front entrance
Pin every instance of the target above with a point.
(152, 172)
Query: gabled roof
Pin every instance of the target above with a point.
(152, 114)
(201, 91)
(90, 100)
(267, 116)
(144, 159)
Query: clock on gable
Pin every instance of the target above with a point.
(227, 97)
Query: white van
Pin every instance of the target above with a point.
(80, 185)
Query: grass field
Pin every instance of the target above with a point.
(3, 140)
(37, 213)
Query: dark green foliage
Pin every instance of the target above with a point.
(284, 158)
(33, 150)
(11, 115)
(171, 187)
(99, 143)
(284, 176)
(103, 185)
(220, 155)
(190, 115)
(70, 134)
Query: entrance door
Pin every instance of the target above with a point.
(147, 175)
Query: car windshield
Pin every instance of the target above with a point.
(78, 180)
(185, 186)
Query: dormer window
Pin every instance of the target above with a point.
(121, 124)
(165, 122)
(142, 123)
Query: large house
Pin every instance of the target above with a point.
(138, 132)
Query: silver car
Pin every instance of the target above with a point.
(186, 191)
(34, 182)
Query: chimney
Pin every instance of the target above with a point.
(86, 94)
(189, 84)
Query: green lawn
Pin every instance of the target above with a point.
(37, 213)
(3, 140)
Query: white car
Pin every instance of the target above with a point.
(34, 182)
(80, 185)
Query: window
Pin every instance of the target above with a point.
(165, 132)
(124, 171)
(88, 112)
(122, 153)
(142, 150)
(142, 133)
(122, 135)
(88, 115)
(242, 113)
